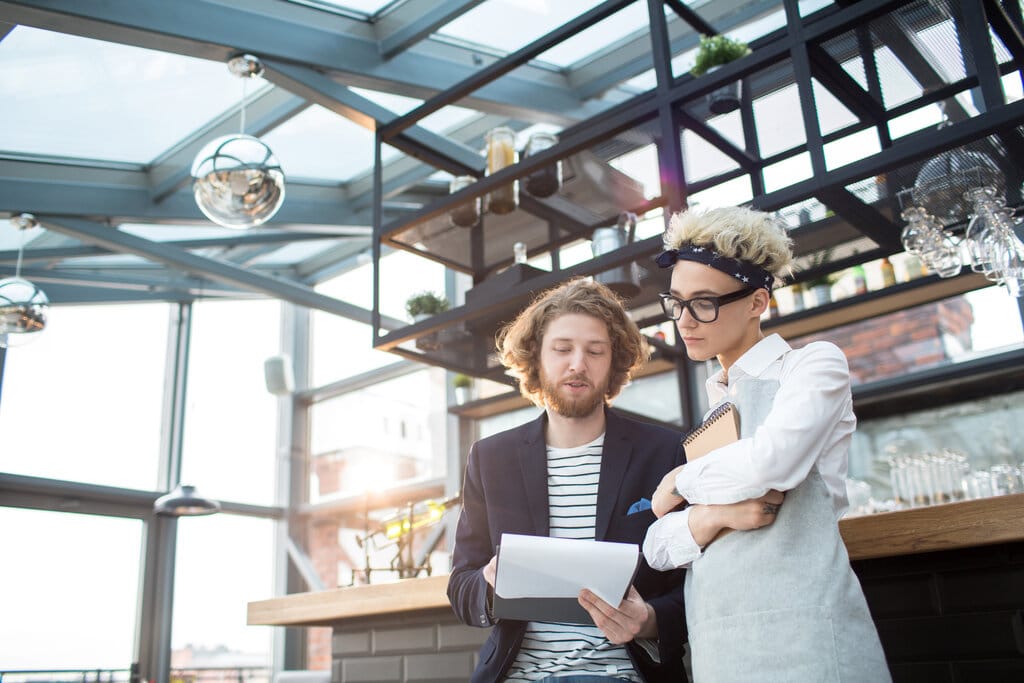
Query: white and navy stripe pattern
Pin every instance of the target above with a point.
(551, 649)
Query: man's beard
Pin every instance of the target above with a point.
(584, 406)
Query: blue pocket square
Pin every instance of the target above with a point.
(639, 506)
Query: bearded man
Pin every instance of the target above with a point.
(578, 471)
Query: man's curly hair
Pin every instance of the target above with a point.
(519, 342)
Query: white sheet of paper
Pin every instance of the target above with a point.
(544, 567)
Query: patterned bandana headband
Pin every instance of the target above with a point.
(750, 275)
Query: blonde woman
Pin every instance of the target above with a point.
(778, 603)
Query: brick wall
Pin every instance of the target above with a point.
(897, 343)
(427, 647)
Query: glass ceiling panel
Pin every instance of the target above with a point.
(367, 7)
(321, 145)
(127, 103)
(603, 37)
(439, 122)
(167, 233)
(507, 25)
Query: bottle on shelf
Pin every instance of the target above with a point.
(545, 181)
(464, 215)
(519, 252)
(501, 153)
(797, 290)
(860, 280)
(888, 272)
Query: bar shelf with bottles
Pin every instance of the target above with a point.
(879, 292)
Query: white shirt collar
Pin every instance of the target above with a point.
(755, 360)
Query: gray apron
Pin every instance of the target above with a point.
(780, 603)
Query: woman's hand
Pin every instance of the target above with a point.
(665, 498)
(706, 521)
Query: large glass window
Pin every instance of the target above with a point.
(656, 396)
(223, 562)
(82, 402)
(68, 588)
(341, 347)
(380, 436)
(230, 417)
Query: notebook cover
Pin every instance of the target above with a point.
(720, 429)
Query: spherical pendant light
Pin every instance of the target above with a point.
(23, 306)
(236, 179)
(238, 182)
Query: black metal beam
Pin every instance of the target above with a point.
(692, 18)
(846, 90)
(432, 148)
(669, 142)
(1005, 28)
(437, 14)
(867, 219)
(976, 48)
(900, 154)
(717, 140)
(503, 66)
(802, 77)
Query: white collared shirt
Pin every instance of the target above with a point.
(810, 422)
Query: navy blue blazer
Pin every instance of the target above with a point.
(505, 491)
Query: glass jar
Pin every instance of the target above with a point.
(501, 153)
(547, 180)
(464, 215)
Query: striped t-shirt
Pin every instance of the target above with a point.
(552, 649)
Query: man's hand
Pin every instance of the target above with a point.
(633, 618)
(490, 569)
(665, 499)
(707, 520)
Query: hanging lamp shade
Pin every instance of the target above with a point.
(183, 501)
(237, 181)
(23, 308)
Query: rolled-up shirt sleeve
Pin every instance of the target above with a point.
(810, 402)
(669, 543)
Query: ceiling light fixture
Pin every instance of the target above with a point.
(23, 306)
(236, 179)
(183, 501)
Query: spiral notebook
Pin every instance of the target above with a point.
(721, 428)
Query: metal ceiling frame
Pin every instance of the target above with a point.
(309, 53)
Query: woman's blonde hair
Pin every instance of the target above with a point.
(736, 232)
(519, 342)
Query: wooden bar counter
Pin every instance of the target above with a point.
(945, 584)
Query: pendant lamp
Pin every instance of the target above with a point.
(236, 179)
(23, 306)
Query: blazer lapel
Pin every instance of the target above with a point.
(533, 460)
(615, 458)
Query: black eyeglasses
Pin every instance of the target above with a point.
(704, 309)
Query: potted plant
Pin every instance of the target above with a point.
(820, 287)
(713, 53)
(421, 306)
(463, 384)
(425, 304)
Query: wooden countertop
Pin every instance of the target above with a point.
(937, 527)
(907, 532)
